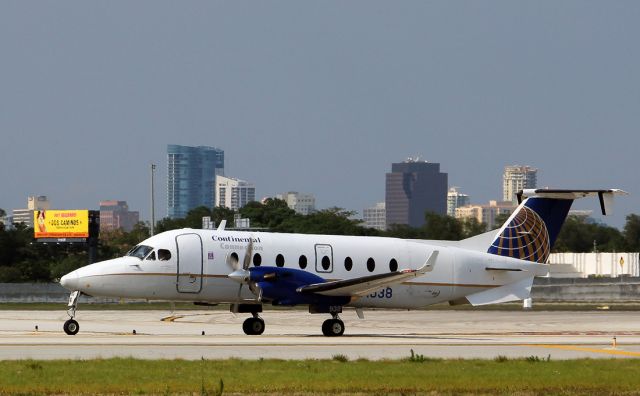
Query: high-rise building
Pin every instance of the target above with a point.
(191, 177)
(375, 216)
(116, 215)
(486, 213)
(300, 202)
(456, 199)
(412, 188)
(516, 178)
(39, 202)
(233, 193)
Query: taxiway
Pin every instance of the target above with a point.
(297, 335)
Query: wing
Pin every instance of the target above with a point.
(362, 286)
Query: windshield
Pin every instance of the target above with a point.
(140, 251)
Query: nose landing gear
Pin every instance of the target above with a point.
(71, 326)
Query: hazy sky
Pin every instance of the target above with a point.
(317, 97)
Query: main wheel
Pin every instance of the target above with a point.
(71, 327)
(333, 327)
(253, 326)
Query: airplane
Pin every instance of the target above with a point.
(327, 273)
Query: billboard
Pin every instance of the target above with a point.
(61, 223)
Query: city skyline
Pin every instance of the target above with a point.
(317, 97)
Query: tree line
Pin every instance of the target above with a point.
(24, 260)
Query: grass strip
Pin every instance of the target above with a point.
(418, 374)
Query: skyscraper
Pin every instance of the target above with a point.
(375, 216)
(191, 177)
(300, 202)
(234, 193)
(412, 188)
(456, 199)
(516, 178)
(116, 215)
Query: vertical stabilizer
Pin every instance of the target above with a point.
(532, 229)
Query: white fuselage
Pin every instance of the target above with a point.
(199, 264)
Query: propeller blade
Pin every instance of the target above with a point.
(248, 254)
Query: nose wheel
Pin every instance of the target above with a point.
(333, 327)
(71, 326)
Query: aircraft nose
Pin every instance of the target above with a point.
(70, 281)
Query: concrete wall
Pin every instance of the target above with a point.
(622, 289)
(606, 264)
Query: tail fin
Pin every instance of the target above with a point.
(532, 229)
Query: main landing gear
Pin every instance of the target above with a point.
(71, 326)
(253, 325)
(333, 327)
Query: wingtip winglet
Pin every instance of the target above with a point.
(429, 264)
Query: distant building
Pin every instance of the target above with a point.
(516, 178)
(456, 199)
(233, 193)
(116, 215)
(40, 202)
(191, 177)
(376, 216)
(486, 213)
(300, 202)
(412, 188)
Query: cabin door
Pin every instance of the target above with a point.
(324, 258)
(189, 276)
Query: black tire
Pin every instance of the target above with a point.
(325, 327)
(333, 327)
(71, 327)
(337, 328)
(253, 326)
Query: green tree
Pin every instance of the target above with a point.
(632, 233)
(472, 227)
(578, 235)
(270, 214)
(500, 219)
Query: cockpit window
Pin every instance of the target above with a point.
(164, 255)
(151, 256)
(140, 251)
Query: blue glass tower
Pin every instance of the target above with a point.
(191, 177)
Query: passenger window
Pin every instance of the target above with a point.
(371, 264)
(257, 259)
(164, 255)
(393, 265)
(280, 260)
(348, 263)
(326, 263)
(151, 256)
(302, 261)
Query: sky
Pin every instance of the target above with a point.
(317, 97)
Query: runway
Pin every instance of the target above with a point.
(296, 335)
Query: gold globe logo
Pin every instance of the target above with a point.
(525, 237)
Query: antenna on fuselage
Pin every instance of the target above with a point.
(223, 224)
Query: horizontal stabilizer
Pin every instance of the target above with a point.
(510, 292)
(605, 196)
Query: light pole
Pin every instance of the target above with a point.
(153, 206)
